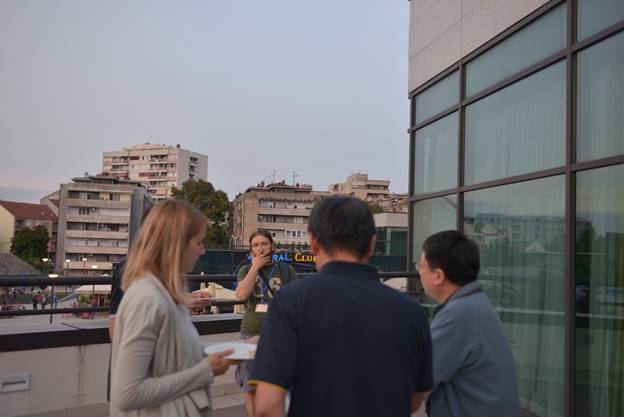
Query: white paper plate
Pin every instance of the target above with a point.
(242, 351)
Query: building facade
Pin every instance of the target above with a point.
(52, 201)
(98, 217)
(16, 215)
(157, 167)
(372, 191)
(517, 139)
(358, 185)
(395, 203)
(390, 253)
(281, 209)
(391, 231)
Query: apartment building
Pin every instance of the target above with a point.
(372, 191)
(16, 215)
(157, 167)
(52, 201)
(358, 185)
(279, 208)
(98, 217)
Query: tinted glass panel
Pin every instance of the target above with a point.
(435, 156)
(520, 230)
(439, 97)
(529, 46)
(599, 293)
(519, 129)
(595, 15)
(600, 100)
(431, 216)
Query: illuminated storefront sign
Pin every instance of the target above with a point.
(290, 257)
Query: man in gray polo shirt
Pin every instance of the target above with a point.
(473, 368)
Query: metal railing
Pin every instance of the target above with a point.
(7, 281)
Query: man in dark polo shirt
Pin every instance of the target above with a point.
(340, 341)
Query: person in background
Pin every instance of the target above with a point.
(116, 295)
(157, 366)
(258, 283)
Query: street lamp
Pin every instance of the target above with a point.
(84, 268)
(67, 261)
(46, 263)
(52, 295)
(94, 267)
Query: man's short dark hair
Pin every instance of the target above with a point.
(341, 222)
(455, 254)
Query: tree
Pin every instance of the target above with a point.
(376, 208)
(213, 203)
(31, 245)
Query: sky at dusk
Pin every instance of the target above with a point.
(317, 87)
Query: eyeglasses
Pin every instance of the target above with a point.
(420, 266)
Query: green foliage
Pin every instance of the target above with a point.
(376, 208)
(84, 300)
(216, 236)
(213, 203)
(31, 245)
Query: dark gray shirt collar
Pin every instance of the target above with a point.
(463, 291)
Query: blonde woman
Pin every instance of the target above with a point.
(157, 364)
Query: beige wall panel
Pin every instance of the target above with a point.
(437, 56)
(442, 32)
(425, 28)
(491, 17)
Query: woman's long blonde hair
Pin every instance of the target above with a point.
(160, 245)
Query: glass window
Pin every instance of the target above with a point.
(595, 15)
(437, 98)
(538, 41)
(429, 217)
(435, 156)
(520, 229)
(517, 130)
(600, 99)
(432, 216)
(599, 293)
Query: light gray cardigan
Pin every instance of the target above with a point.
(157, 367)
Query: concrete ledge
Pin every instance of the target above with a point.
(88, 332)
(92, 410)
(234, 411)
(71, 381)
(223, 407)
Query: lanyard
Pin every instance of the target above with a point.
(264, 284)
